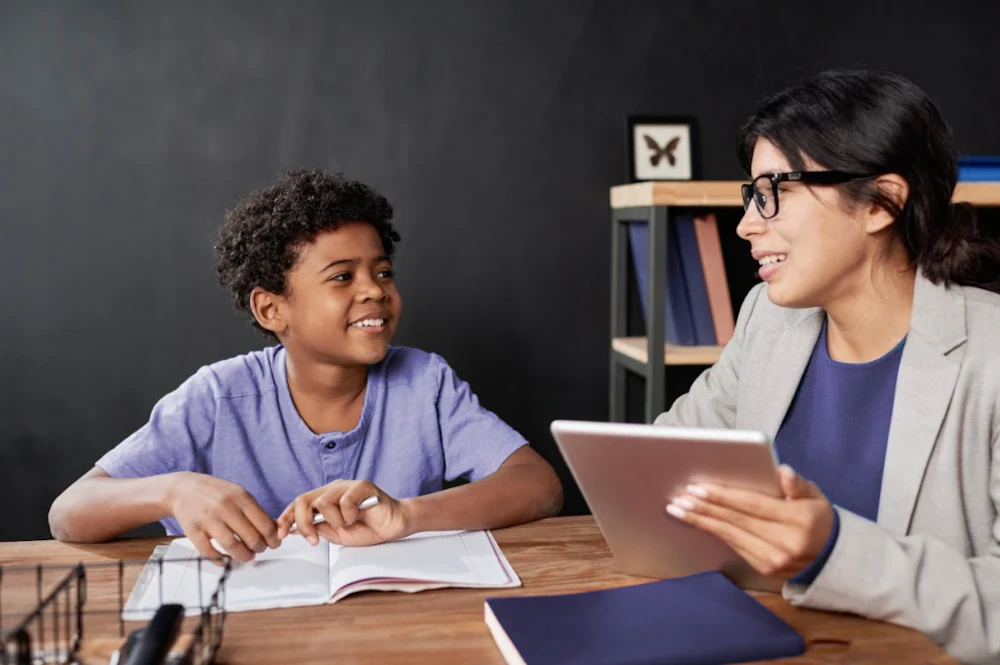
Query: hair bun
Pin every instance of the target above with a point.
(960, 250)
(963, 220)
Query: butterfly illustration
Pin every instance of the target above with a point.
(659, 153)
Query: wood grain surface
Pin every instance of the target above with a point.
(559, 555)
(727, 193)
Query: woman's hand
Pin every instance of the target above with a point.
(779, 537)
(345, 524)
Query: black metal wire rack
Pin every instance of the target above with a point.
(47, 617)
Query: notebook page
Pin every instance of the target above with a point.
(293, 575)
(465, 558)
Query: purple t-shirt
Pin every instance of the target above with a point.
(836, 433)
(235, 419)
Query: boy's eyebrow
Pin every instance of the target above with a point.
(379, 259)
(338, 262)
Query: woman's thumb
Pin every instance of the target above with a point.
(793, 486)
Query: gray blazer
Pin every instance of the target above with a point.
(932, 560)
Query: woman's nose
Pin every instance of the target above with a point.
(751, 223)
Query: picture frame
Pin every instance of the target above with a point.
(661, 147)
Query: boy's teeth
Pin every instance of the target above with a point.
(772, 258)
(367, 323)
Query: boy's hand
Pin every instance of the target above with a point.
(345, 524)
(208, 508)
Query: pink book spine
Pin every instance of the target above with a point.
(710, 248)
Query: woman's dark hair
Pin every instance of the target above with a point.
(871, 121)
(262, 235)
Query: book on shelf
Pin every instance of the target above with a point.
(719, 300)
(678, 324)
(698, 308)
(979, 168)
(694, 280)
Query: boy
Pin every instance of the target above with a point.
(328, 417)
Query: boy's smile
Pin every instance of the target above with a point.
(371, 324)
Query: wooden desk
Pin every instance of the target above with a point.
(446, 626)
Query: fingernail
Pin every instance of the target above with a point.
(697, 490)
(676, 511)
(313, 540)
(684, 502)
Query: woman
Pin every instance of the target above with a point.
(871, 356)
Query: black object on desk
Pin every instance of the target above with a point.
(151, 645)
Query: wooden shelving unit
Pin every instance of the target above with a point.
(635, 348)
(653, 202)
(726, 193)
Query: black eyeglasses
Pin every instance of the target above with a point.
(763, 191)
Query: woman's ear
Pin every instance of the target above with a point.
(897, 190)
(268, 308)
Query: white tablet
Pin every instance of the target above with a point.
(629, 473)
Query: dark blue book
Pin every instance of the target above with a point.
(702, 619)
(694, 278)
(679, 327)
(978, 168)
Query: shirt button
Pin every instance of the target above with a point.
(331, 445)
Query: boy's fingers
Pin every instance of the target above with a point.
(224, 535)
(247, 532)
(348, 509)
(329, 533)
(352, 498)
(265, 526)
(329, 508)
(304, 519)
(285, 521)
(203, 544)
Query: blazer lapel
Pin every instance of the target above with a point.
(776, 376)
(924, 388)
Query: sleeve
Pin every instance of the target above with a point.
(176, 438)
(813, 570)
(711, 401)
(914, 581)
(475, 440)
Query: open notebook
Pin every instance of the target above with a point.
(298, 574)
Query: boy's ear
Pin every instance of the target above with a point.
(267, 309)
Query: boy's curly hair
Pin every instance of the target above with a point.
(260, 239)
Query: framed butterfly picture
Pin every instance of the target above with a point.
(660, 148)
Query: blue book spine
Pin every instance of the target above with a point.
(694, 277)
(678, 326)
(978, 173)
(678, 304)
(979, 168)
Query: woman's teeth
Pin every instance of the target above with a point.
(772, 258)
(368, 323)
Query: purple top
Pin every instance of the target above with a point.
(235, 419)
(836, 432)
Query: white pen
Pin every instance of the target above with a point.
(318, 518)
